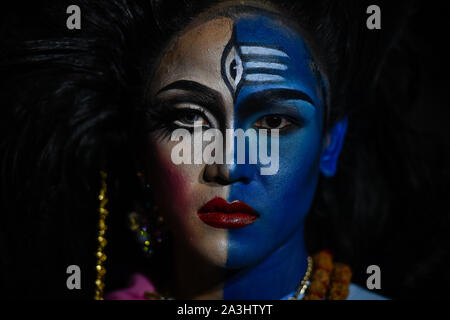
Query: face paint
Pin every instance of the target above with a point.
(272, 61)
(252, 64)
(256, 69)
(185, 71)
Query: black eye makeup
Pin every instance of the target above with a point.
(169, 115)
(285, 116)
(282, 109)
(190, 119)
(190, 116)
(273, 121)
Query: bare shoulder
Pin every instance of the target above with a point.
(359, 293)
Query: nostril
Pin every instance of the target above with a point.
(220, 174)
(213, 174)
(222, 181)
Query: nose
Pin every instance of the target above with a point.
(235, 160)
(227, 174)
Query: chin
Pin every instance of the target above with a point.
(244, 254)
(214, 253)
(209, 245)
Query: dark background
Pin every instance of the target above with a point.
(414, 256)
(425, 238)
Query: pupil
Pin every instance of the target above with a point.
(273, 121)
(191, 117)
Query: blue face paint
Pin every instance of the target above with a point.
(266, 56)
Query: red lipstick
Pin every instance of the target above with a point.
(219, 213)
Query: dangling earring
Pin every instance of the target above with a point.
(101, 256)
(149, 226)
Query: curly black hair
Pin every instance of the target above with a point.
(73, 103)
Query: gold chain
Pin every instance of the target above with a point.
(101, 256)
(301, 289)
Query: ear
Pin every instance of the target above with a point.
(332, 146)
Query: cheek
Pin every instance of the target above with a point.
(292, 188)
(169, 182)
(179, 194)
(282, 200)
(300, 167)
(299, 161)
(175, 188)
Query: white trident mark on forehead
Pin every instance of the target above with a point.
(234, 68)
(250, 64)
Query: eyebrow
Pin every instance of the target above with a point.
(198, 94)
(271, 96)
(191, 86)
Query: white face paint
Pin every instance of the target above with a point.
(233, 68)
(263, 64)
(262, 51)
(252, 64)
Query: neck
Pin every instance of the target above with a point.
(273, 278)
(194, 278)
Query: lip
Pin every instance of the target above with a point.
(219, 213)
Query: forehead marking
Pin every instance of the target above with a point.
(252, 64)
(262, 50)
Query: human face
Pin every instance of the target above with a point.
(253, 71)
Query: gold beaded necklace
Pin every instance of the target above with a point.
(301, 289)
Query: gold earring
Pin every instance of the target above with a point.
(101, 256)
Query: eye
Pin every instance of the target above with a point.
(273, 122)
(190, 118)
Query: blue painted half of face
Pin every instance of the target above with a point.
(273, 58)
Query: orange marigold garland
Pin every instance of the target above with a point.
(323, 262)
(329, 280)
(340, 282)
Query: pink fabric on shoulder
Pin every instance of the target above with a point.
(139, 284)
